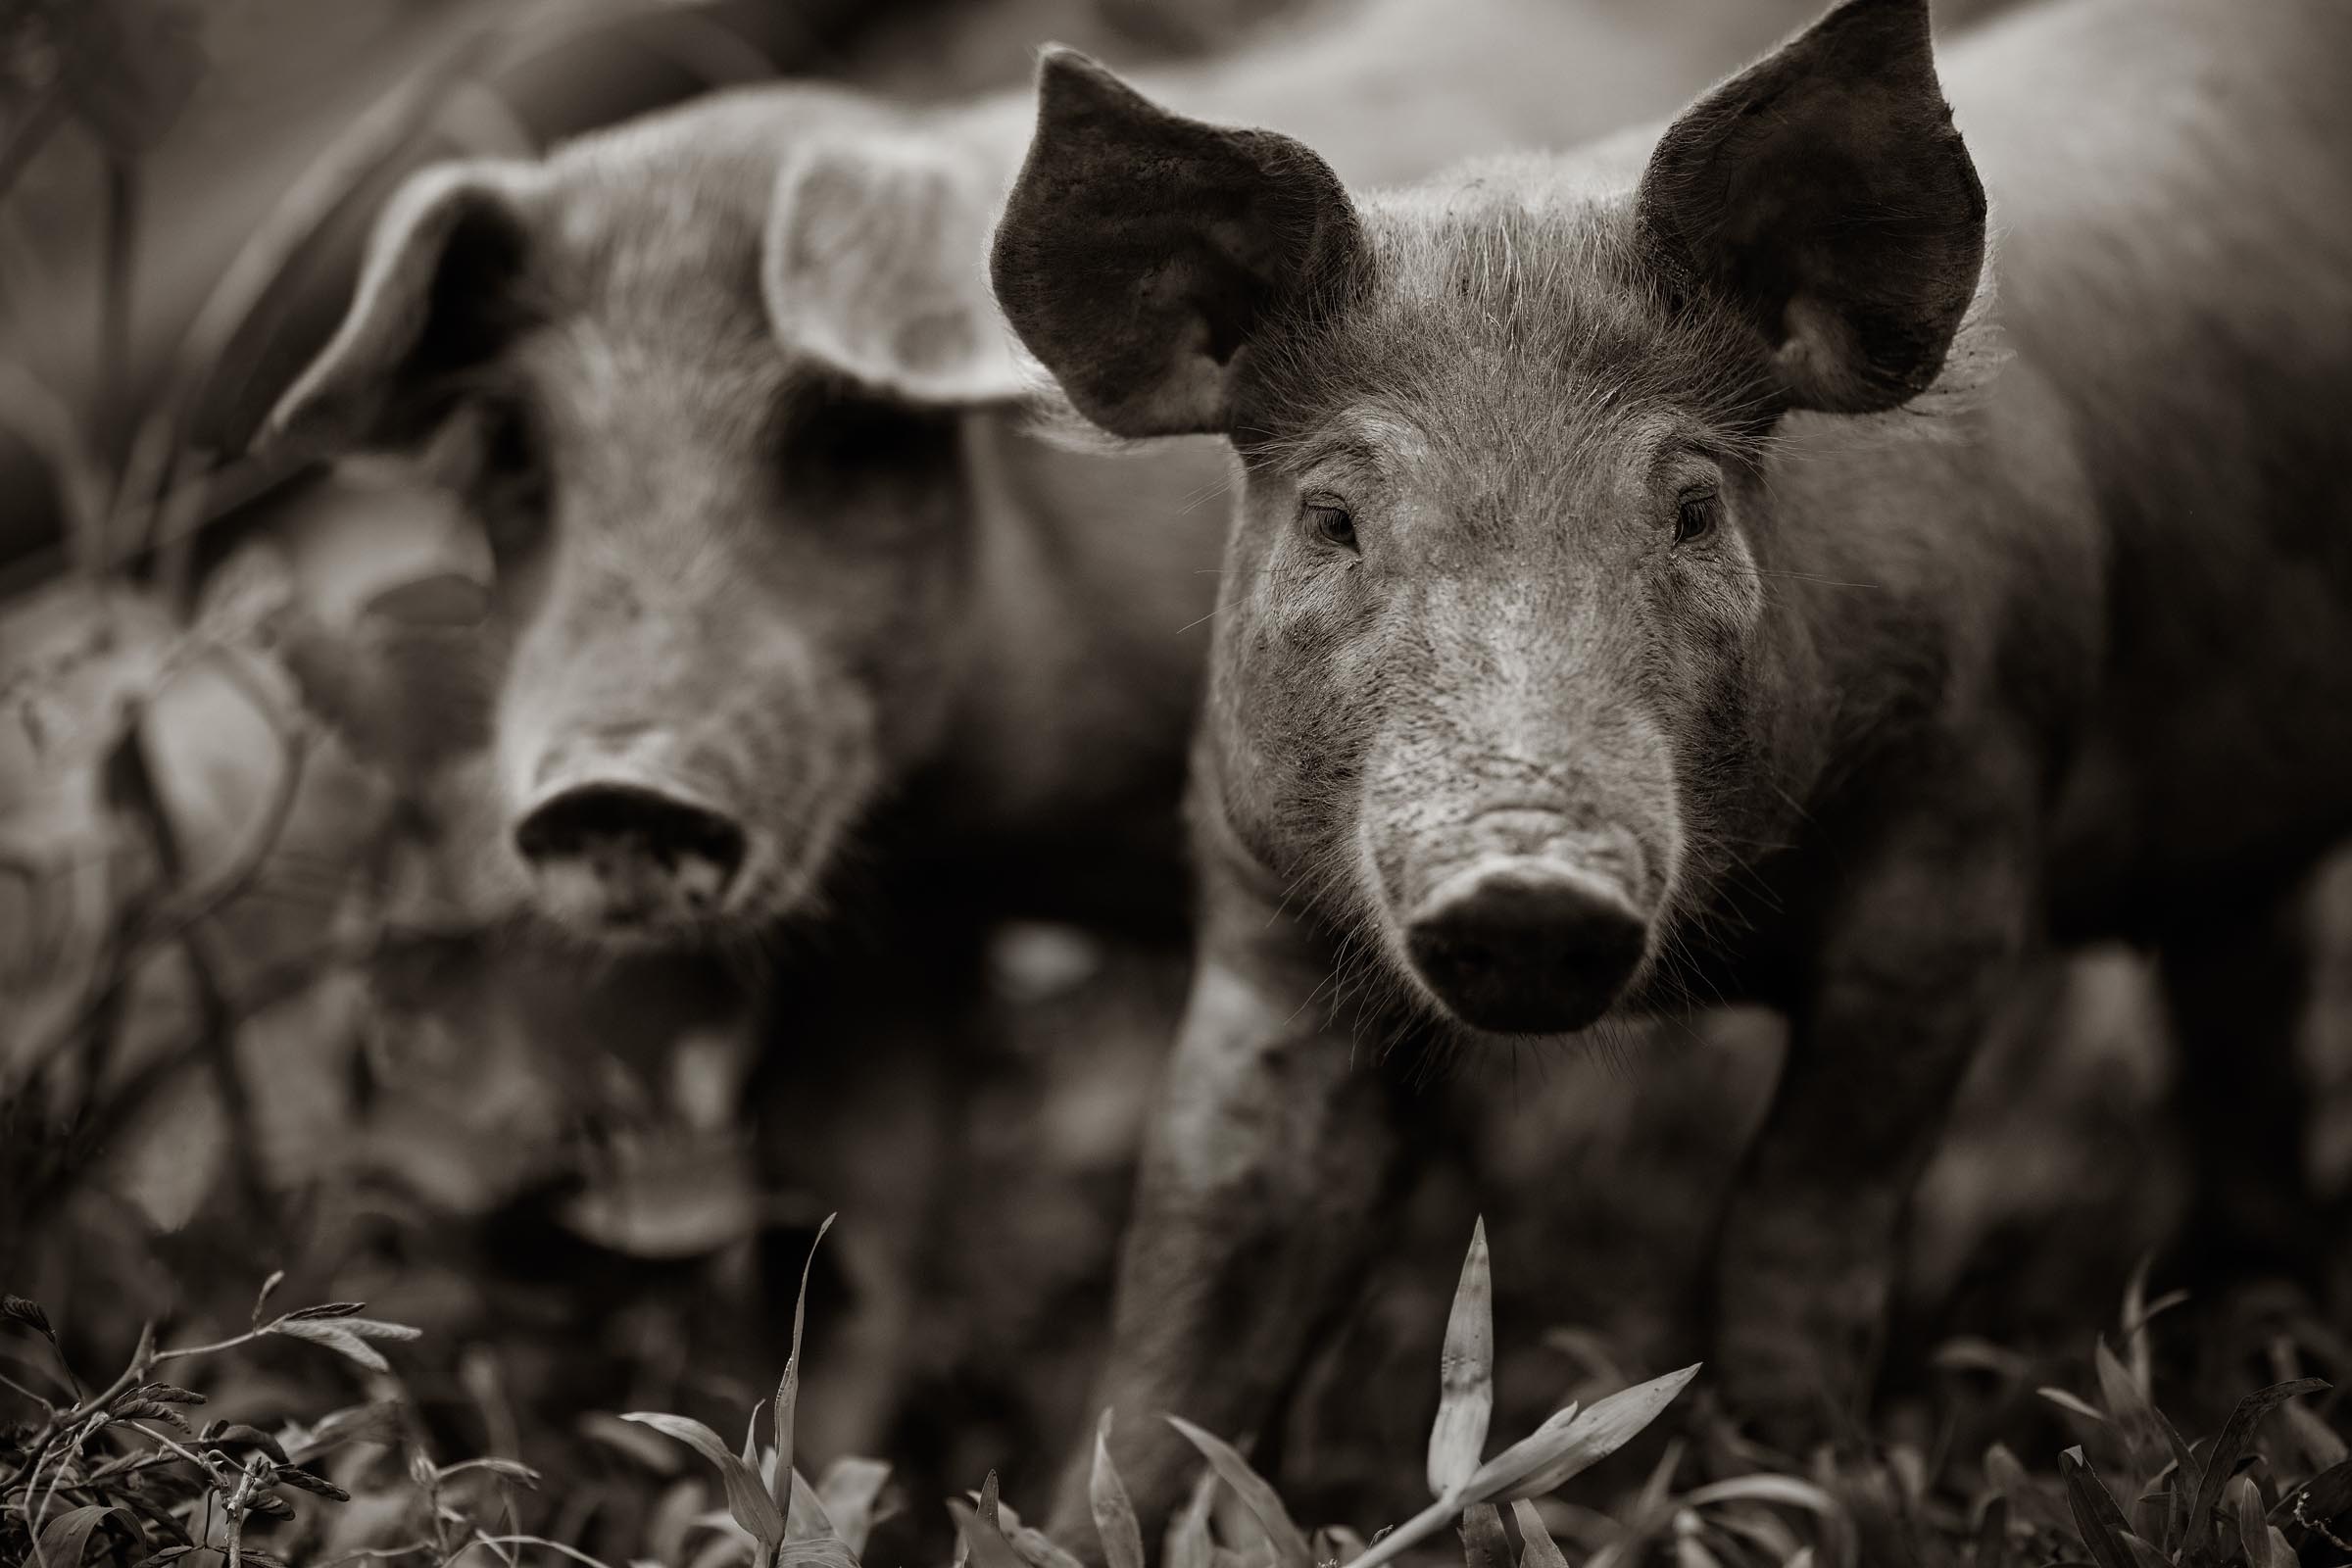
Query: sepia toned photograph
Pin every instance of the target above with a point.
(1175, 783)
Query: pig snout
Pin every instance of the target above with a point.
(1525, 945)
(622, 856)
(1522, 918)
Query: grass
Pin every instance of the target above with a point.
(121, 1474)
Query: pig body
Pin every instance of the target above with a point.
(1687, 570)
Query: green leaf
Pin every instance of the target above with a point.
(1186, 1544)
(1291, 1549)
(66, 1537)
(2129, 1406)
(19, 1310)
(805, 1519)
(847, 1490)
(788, 1392)
(1536, 1549)
(1114, 1515)
(747, 1499)
(1457, 1438)
(2097, 1520)
(2253, 1530)
(2238, 1437)
(1484, 1544)
(986, 1542)
(1573, 1441)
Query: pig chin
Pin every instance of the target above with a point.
(1518, 921)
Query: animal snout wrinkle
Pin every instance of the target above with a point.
(1526, 945)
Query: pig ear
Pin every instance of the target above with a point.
(1142, 253)
(1826, 197)
(875, 264)
(436, 297)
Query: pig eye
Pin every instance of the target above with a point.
(1332, 524)
(1694, 517)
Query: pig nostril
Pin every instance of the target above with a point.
(1526, 949)
(616, 829)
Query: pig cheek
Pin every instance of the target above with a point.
(1303, 666)
(1707, 612)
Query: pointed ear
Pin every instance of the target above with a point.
(436, 297)
(1142, 253)
(875, 262)
(1825, 196)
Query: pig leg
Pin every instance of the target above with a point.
(1267, 1156)
(1914, 962)
(2236, 984)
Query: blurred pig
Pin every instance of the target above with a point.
(774, 551)
(1669, 573)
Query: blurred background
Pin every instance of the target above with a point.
(248, 1028)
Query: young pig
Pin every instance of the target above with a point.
(1677, 572)
(773, 546)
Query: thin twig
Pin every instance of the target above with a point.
(247, 1338)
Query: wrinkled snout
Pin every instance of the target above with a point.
(1525, 945)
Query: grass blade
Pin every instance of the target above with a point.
(1114, 1515)
(788, 1392)
(847, 1490)
(1484, 1544)
(1291, 1549)
(2238, 1435)
(747, 1499)
(987, 1544)
(1457, 1438)
(1536, 1549)
(2098, 1519)
(1546, 1458)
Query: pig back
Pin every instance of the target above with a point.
(2171, 185)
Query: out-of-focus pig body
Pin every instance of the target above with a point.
(1671, 573)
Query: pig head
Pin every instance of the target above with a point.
(699, 377)
(1498, 674)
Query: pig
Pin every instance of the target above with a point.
(1726, 564)
(783, 582)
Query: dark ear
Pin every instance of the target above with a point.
(875, 262)
(1141, 252)
(436, 297)
(1824, 195)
